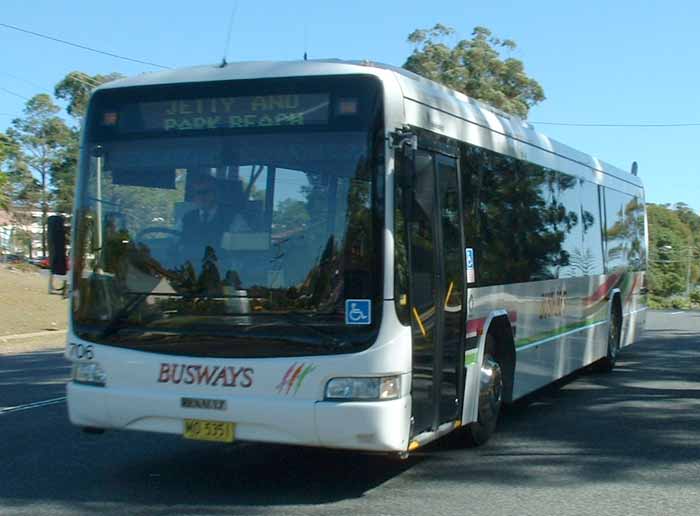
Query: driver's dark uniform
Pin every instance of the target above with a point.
(202, 229)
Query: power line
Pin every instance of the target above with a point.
(86, 78)
(36, 85)
(14, 93)
(88, 84)
(574, 124)
(83, 47)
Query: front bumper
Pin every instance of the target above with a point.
(371, 426)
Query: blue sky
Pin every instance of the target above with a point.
(598, 61)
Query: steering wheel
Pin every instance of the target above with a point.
(153, 262)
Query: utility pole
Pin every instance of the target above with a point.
(687, 280)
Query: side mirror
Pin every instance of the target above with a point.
(56, 232)
(405, 143)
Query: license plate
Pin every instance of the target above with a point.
(202, 430)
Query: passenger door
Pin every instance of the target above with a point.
(436, 289)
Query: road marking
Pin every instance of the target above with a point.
(675, 313)
(16, 336)
(57, 351)
(28, 406)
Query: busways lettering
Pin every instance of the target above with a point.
(205, 375)
(553, 304)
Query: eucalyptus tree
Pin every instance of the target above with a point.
(475, 67)
(41, 135)
(75, 88)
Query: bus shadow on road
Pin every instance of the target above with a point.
(132, 469)
(257, 474)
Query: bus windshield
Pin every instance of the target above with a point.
(230, 222)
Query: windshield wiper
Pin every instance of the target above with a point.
(327, 338)
(296, 319)
(117, 322)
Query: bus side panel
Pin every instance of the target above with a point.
(559, 325)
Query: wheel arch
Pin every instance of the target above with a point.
(500, 327)
(615, 303)
(498, 323)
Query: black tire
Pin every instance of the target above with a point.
(607, 363)
(490, 398)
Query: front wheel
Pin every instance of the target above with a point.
(490, 398)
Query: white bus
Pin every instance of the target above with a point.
(335, 254)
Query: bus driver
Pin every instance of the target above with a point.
(206, 224)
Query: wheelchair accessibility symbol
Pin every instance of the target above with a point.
(358, 311)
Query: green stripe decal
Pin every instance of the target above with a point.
(470, 357)
(562, 329)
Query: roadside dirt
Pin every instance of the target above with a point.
(50, 342)
(26, 307)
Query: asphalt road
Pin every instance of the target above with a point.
(625, 443)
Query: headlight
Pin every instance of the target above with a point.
(89, 373)
(384, 388)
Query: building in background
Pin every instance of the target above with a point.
(5, 231)
(20, 230)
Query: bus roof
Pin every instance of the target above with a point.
(413, 86)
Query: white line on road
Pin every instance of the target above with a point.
(36, 404)
(17, 336)
(676, 313)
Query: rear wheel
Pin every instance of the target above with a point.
(607, 363)
(490, 397)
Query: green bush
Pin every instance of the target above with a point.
(665, 303)
(659, 303)
(680, 303)
(695, 297)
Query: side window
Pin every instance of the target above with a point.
(640, 219)
(528, 223)
(568, 223)
(622, 239)
(471, 165)
(634, 219)
(590, 259)
(538, 215)
(517, 217)
(497, 246)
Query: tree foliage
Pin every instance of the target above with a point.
(4, 192)
(20, 186)
(75, 88)
(39, 152)
(475, 67)
(674, 245)
(22, 190)
(5, 198)
(41, 136)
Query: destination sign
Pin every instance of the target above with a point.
(226, 113)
